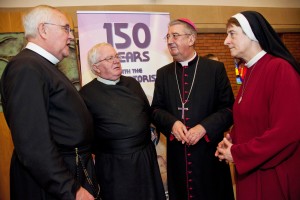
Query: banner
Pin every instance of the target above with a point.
(138, 38)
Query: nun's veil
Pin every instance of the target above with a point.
(268, 38)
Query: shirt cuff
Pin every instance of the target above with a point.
(206, 138)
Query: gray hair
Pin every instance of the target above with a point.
(93, 54)
(190, 29)
(36, 16)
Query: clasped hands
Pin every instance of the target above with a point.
(191, 136)
(223, 151)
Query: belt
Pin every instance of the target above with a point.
(74, 150)
(123, 146)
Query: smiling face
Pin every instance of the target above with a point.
(238, 42)
(180, 42)
(108, 65)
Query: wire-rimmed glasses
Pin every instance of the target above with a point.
(175, 36)
(67, 27)
(109, 59)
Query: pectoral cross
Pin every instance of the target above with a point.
(182, 110)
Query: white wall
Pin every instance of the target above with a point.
(243, 3)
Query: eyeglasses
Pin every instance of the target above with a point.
(175, 36)
(67, 27)
(110, 59)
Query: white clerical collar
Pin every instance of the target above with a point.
(186, 63)
(255, 59)
(39, 50)
(107, 82)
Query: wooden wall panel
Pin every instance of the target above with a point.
(5, 25)
(11, 22)
(16, 22)
(6, 148)
(207, 18)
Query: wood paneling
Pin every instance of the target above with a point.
(207, 18)
(6, 148)
(11, 22)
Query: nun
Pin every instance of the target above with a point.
(264, 143)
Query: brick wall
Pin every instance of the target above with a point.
(214, 43)
(292, 42)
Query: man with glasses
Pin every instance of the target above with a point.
(191, 106)
(125, 157)
(50, 124)
(66, 27)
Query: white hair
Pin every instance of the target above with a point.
(93, 54)
(36, 16)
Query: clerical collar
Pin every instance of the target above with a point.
(108, 82)
(255, 59)
(39, 50)
(186, 63)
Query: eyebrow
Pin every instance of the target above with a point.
(64, 24)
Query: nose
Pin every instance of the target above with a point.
(226, 41)
(116, 59)
(71, 35)
(170, 40)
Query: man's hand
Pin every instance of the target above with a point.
(83, 194)
(195, 134)
(179, 131)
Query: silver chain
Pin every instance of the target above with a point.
(191, 85)
(246, 83)
(89, 180)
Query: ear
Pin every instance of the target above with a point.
(96, 69)
(192, 40)
(42, 30)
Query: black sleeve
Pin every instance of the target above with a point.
(221, 119)
(26, 100)
(161, 118)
